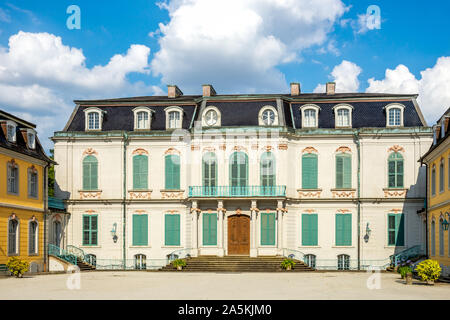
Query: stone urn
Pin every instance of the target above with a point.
(179, 268)
(430, 282)
(288, 268)
(409, 278)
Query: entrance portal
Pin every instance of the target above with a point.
(239, 235)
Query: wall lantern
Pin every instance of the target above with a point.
(114, 232)
(368, 232)
(445, 222)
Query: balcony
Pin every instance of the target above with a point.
(237, 192)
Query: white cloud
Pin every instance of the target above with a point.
(346, 77)
(237, 44)
(433, 87)
(40, 76)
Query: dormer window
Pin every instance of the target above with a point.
(94, 117)
(394, 115)
(142, 118)
(310, 116)
(343, 116)
(268, 116)
(211, 117)
(174, 118)
(31, 139)
(11, 131)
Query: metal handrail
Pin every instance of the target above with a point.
(62, 254)
(77, 252)
(405, 255)
(237, 191)
(179, 254)
(294, 254)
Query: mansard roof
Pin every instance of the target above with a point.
(20, 144)
(243, 109)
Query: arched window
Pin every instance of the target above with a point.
(309, 171)
(11, 127)
(310, 260)
(268, 116)
(32, 183)
(395, 170)
(433, 238)
(433, 180)
(209, 173)
(140, 172)
(90, 173)
(33, 238)
(441, 238)
(343, 262)
(57, 230)
(343, 171)
(13, 236)
(268, 173)
(172, 172)
(441, 176)
(239, 173)
(94, 117)
(140, 262)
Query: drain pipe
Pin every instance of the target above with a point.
(358, 147)
(124, 204)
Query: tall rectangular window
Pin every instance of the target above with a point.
(13, 179)
(140, 172)
(396, 225)
(93, 121)
(441, 176)
(172, 230)
(32, 237)
(343, 171)
(267, 229)
(90, 230)
(309, 171)
(433, 238)
(343, 229)
(309, 229)
(13, 230)
(90, 173)
(140, 230)
(32, 184)
(172, 172)
(433, 181)
(209, 229)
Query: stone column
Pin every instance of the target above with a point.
(194, 212)
(280, 212)
(253, 233)
(220, 229)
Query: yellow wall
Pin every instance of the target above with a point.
(22, 199)
(441, 207)
(26, 211)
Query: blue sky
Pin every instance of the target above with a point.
(241, 46)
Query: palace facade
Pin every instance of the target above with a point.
(330, 178)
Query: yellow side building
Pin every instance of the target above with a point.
(437, 160)
(23, 192)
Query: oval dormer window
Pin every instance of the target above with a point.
(211, 117)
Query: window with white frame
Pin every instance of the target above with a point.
(174, 117)
(142, 118)
(343, 115)
(94, 117)
(268, 116)
(12, 178)
(11, 131)
(310, 116)
(343, 262)
(211, 117)
(31, 139)
(13, 236)
(394, 115)
(33, 237)
(32, 183)
(441, 176)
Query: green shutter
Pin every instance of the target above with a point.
(343, 171)
(309, 171)
(140, 172)
(172, 172)
(209, 229)
(343, 230)
(90, 230)
(339, 172)
(268, 229)
(90, 173)
(347, 172)
(140, 230)
(309, 229)
(172, 229)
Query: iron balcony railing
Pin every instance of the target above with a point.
(237, 192)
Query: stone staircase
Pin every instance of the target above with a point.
(84, 266)
(237, 264)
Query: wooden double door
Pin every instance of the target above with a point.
(239, 235)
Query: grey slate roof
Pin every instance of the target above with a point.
(243, 110)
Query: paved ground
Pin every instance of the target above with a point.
(218, 286)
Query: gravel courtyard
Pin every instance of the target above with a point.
(217, 286)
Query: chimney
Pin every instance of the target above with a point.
(208, 90)
(173, 91)
(331, 88)
(295, 89)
